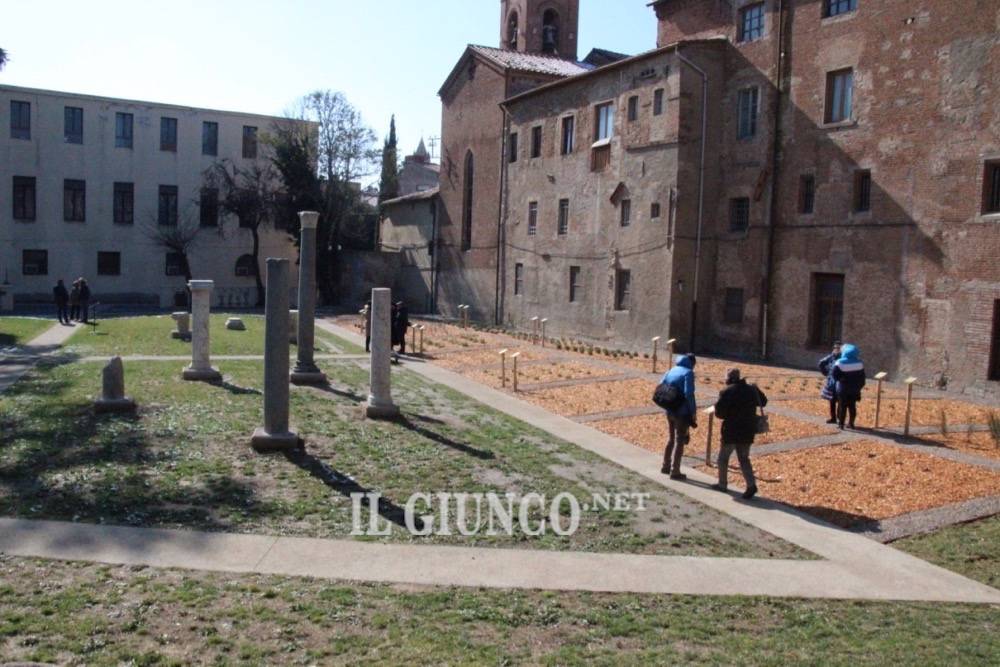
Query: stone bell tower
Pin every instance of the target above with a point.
(547, 27)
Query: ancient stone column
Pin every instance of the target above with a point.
(183, 330)
(379, 404)
(113, 397)
(201, 306)
(305, 371)
(275, 436)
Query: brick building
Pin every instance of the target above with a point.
(774, 175)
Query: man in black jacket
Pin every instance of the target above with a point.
(61, 297)
(737, 408)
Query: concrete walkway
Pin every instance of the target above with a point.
(13, 367)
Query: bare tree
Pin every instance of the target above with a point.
(180, 239)
(3, 58)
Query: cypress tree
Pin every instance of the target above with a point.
(389, 183)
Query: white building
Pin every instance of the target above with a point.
(84, 180)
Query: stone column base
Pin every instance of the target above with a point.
(114, 405)
(308, 377)
(206, 375)
(262, 441)
(380, 410)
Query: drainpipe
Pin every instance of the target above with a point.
(435, 252)
(701, 195)
(505, 130)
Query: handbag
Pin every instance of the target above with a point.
(763, 424)
(668, 397)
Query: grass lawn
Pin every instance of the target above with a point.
(150, 335)
(71, 613)
(20, 330)
(184, 461)
(971, 549)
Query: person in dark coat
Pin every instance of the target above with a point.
(84, 300)
(830, 386)
(737, 408)
(682, 419)
(61, 297)
(74, 300)
(401, 324)
(393, 326)
(849, 376)
(368, 326)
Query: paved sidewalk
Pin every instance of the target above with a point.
(13, 367)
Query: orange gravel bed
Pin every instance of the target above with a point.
(539, 373)
(864, 480)
(474, 360)
(978, 443)
(650, 432)
(594, 397)
(926, 411)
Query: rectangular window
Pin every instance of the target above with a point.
(658, 102)
(747, 105)
(536, 141)
(751, 22)
(73, 125)
(168, 134)
(807, 194)
(995, 346)
(167, 206)
(174, 264)
(626, 212)
(532, 218)
(862, 190)
(124, 203)
(839, 96)
(733, 310)
(24, 197)
(74, 200)
(208, 207)
(604, 125)
(249, 142)
(623, 289)
(35, 262)
(837, 7)
(209, 138)
(512, 148)
(574, 284)
(563, 227)
(109, 263)
(828, 308)
(654, 211)
(123, 130)
(568, 135)
(633, 108)
(991, 187)
(20, 120)
(518, 279)
(739, 214)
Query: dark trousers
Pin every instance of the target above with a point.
(62, 312)
(74, 311)
(833, 409)
(679, 434)
(847, 405)
(743, 455)
(84, 311)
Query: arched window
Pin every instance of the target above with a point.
(467, 202)
(512, 31)
(550, 31)
(245, 265)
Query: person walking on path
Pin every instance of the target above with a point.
(830, 386)
(681, 419)
(737, 408)
(84, 300)
(849, 376)
(61, 297)
(368, 326)
(400, 324)
(74, 301)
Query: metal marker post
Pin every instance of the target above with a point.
(656, 344)
(421, 327)
(503, 368)
(878, 395)
(670, 349)
(514, 357)
(708, 444)
(544, 320)
(534, 330)
(909, 403)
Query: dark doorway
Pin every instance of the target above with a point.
(995, 345)
(828, 308)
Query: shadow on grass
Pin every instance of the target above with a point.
(440, 438)
(236, 389)
(341, 393)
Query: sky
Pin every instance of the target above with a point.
(387, 56)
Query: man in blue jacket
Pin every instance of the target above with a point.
(682, 418)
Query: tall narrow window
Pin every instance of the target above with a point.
(468, 189)
(20, 120)
(807, 194)
(536, 141)
(208, 207)
(751, 22)
(35, 262)
(249, 142)
(550, 32)
(623, 289)
(568, 135)
(828, 308)
(532, 218)
(733, 308)
(73, 125)
(512, 148)
(995, 346)
(862, 190)
(633, 108)
(124, 203)
(518, 279)
(123, 130)
(654, 211)
(658, 102)
(168, 134)
(563, 227)
(747, 105)
(837, 7)
(991, 187)
(167, 208)
(625, 209)
(209, 138)
(109, 263)
(574, 284)
(24, 198)
(739, 214)
(839, 96)
(74, 200)
(604, 125)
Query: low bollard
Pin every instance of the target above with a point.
(413, 340)
(514, 357)
(544, 321)
(503, 368)
(420, 328)
(909, 404)
(534, 330)
(708, 443)
(878, 395)
(670, 349)
(656, 344)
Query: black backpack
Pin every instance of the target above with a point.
(668, 397)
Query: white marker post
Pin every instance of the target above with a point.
(544, 321)
(534, 330)
(420, 328)
(656, 344)
(514, 357)
(670, 349)
(909, 404)
(878, 395)
(708, 443)
(503, 367)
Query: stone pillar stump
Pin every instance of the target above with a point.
(201, 307)
(306, 371)
(379, 404)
